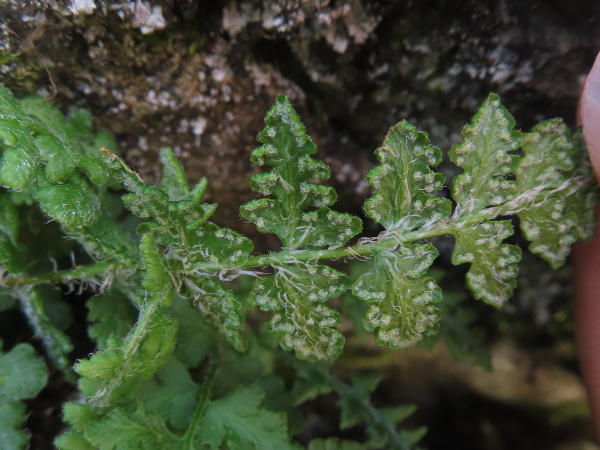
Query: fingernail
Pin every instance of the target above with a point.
(592, 84)
(590, 114)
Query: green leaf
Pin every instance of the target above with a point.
(217, 244)
(97, 171)
(141, 388)
(403, 310)
(102, 365)
(11, 256)
(78, 414)
(381, 425)
(319, 228)
(550, 223)
(38, 136)
(585, 196)
(487, 158)
(121, 430)
(111, 315)
(191, 244)
(493, 272)
(148, 347)
(172, 393)
(299, 215)
(9, 218)
(310, 383)
(403, 307)
(157, 279)
(79, 123)
(60, 161)
(405, 183)
(287, 149)
(43, 116)
(218, 306)
(174, 181)
(295, 292)
(22, 374)
(379, 436)
(18, 168)
(7, 102)
(12, 415)
(155, 348)
(75, 204)
(72, 440)
(248, 368)
(106, 239)
(194, 338)
(238, 422)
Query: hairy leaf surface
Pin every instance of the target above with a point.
(55, 342)
(84, 202)
(299, 215)
(295, 292)
(118, 368)
(161, 376)
(405, 183)
(551, 222)
(287, 149)
(178, 220)
(493, 272)
(36, 136)
(403, 302)
(487, 157)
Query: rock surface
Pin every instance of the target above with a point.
(199, 76)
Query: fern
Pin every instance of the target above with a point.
(300, 217)
(22, 376)
(166, 309)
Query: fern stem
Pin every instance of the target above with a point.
(84, 273)
(142, 326)
(55, 342)
(388, 240)
(203, 400)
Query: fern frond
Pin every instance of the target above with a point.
(176, 218)
(403, 301)
(298, 213)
